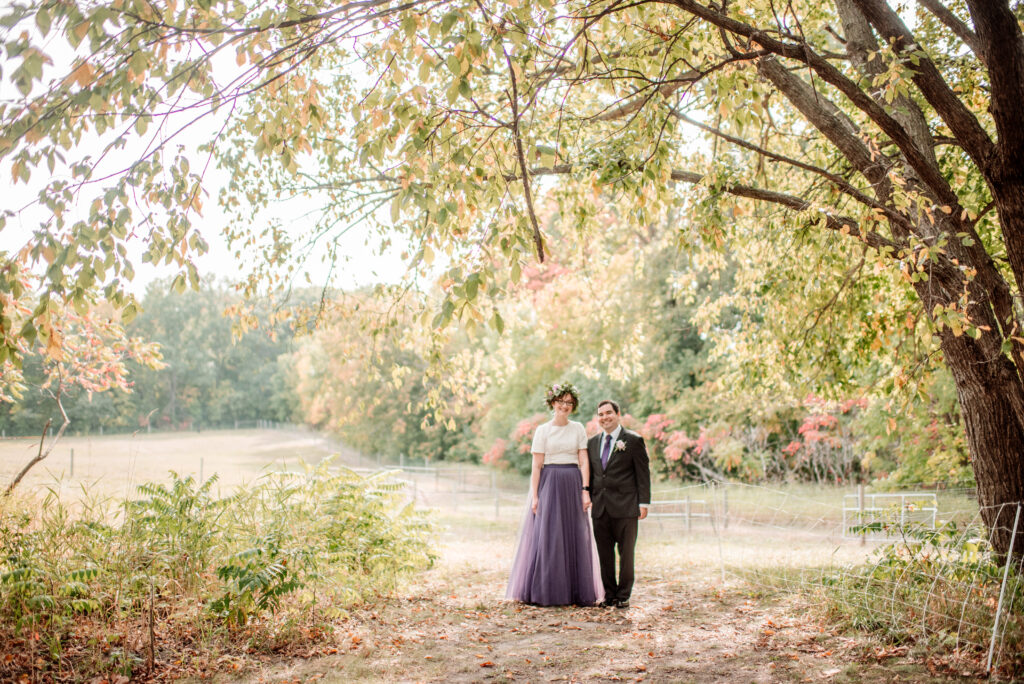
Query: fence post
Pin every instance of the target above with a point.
(72, 468)
(200, 470)
(860, 514)
(401, 461)
(497, 504)
(725, 507)
(437, 479)
(718, 529)
(686, 514)
(1002, 589)
(494, 481)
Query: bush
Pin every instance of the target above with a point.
(300, 544)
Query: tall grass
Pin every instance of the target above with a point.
(103, 585)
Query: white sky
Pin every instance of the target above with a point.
(361, 264)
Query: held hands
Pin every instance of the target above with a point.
(586, 501)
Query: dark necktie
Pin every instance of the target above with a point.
(606, 451)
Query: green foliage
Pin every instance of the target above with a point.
(287, 544)
(256, 578)
(917, 442)
(938, 586)
(181, 526)
(209, 377)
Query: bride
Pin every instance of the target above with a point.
(554, 563)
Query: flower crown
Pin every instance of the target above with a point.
(558, 389)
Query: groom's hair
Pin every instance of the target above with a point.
(611, 403)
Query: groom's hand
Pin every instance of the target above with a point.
(586, 502)
(643, 512)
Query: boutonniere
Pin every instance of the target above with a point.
(620, 445)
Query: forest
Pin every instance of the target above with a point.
(701, 422)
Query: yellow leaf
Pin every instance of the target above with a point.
(83, 74)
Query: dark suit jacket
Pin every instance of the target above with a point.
(619, 490)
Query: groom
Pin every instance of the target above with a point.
(620, 489)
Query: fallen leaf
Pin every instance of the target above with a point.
(487, 663)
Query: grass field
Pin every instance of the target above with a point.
(114, 465)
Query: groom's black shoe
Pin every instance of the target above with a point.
(622, 604)
(609, 603)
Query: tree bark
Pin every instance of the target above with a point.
(986, 389)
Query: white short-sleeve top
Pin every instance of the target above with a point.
(560, 444)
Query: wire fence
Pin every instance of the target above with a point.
(80, 430)
(913, 565)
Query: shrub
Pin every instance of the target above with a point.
(297, 543)
(936, 586)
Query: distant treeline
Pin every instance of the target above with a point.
(210, 378)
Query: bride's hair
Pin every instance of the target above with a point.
(559, 390)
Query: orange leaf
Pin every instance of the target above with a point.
(83, 74)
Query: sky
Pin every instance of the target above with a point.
(361, 265)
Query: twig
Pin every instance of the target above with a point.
(40, 454)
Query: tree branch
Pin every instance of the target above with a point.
(962, 30)
(961, 121)
(40, 454)
(538, 239)
(839, 182)
(803, 53)
(1003, 48)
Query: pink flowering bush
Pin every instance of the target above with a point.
(496, 454)
(515, 451)
(816, 440)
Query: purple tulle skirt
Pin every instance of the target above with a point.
(555, 562)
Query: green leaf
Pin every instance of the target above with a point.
(128, 314)
(43, 21)
(448, 22)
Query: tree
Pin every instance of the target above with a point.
(878, 150)
(90, 353)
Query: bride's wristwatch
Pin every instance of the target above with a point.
(586, 488)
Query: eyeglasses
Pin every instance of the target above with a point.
(563, 402)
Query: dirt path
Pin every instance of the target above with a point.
(685, 625)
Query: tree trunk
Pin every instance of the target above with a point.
(986, 388)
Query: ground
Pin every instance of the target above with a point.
(685, 624)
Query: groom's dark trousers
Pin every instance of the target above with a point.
(616, 491)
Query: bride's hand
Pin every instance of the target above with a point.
(533, 505)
